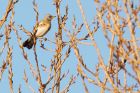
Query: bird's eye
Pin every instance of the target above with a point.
(50, 16)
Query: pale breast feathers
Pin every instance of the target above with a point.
(42, 29)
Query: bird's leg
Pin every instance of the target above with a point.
(43, 38)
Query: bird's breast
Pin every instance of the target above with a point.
(42, 30)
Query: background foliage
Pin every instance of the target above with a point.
(93, 46)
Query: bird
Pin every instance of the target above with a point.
(42, 28)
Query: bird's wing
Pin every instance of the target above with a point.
(43, 28)
(41, 23)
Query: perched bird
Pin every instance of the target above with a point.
(42, 28)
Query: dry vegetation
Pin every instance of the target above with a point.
(123, 53)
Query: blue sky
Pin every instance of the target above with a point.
(25, 15)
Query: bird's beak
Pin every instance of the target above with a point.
(53, 17)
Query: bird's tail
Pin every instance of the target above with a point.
(28, 43)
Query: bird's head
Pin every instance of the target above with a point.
(49, 17)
